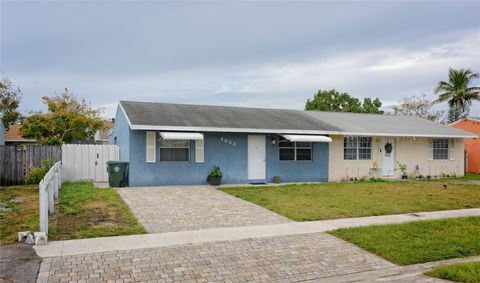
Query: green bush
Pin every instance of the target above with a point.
(36, 174)
(215, 172)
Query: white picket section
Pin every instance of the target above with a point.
(87, 161)
(48, 193)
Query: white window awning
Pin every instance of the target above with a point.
(181, 136)
(307, 138)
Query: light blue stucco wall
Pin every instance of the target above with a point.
(229, 151)
(230, 156)
(121, 135)
(315, 170)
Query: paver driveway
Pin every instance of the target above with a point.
(183, 208)
(282, 258)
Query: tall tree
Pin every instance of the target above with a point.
(418, 106)
(68, 119)
(10, 98)
(458, 93)
(334, 101)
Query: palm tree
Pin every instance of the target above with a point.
(457, 92)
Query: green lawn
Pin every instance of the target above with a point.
(462, 272)
(420, 241)
(18, 211)
(466, 177)
(305, 202)
(86, 212)
(83, 212)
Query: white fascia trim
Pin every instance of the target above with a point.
(125, 114)
(408, 135)
(287, 131)
(228, 130)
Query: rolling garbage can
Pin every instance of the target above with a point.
(117, 173)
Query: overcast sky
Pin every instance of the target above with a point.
(258, 54)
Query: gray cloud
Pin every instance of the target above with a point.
(237, 53)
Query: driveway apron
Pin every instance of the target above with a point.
(290, 258)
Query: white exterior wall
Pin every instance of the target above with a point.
(409, 151)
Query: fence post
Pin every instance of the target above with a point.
(60, 176)
(43, 201)
(55, 185)
(51, 202)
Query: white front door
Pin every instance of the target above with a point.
(388, 158)
(257, 157)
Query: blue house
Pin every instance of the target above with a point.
(172, 144)
(169, 144)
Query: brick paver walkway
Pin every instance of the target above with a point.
(282, 258)
(171, 209)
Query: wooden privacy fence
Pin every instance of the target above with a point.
(87, 161)
(48, 193)
(17, 161)
(80, 161)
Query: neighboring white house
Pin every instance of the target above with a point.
(376, 145)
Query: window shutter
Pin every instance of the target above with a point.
(451, 149)
(430, 150)
(199, 151)
(151, 147)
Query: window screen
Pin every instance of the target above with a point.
(295, 150)
(440, 149)
(175, 151)
(357, 148)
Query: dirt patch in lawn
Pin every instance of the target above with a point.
(84, 211)
(18, 212)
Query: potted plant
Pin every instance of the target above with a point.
(215, 177)
(403, 170)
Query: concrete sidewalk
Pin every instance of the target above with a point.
(85, 246)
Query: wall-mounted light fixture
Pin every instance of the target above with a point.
(274, 141)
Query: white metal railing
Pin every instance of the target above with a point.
(48, 193)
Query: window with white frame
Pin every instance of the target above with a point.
(357, 148)
(440, 148)
(174, 150)
(300, 151)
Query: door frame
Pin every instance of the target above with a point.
(383, 141)
(261, 139)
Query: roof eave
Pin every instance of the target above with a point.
(290, 131)
(229, 130)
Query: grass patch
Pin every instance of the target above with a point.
(420, 241)
(466, 177)
(462, 272)
(469, 176)
(85, 212)
(18, 211)
(305, 202)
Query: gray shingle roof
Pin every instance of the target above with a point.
(201, 116)
(183, 117)
(386, 125)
